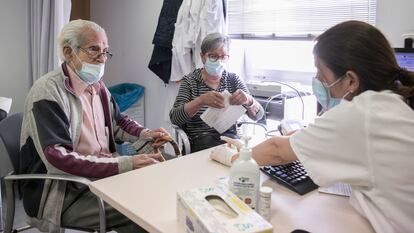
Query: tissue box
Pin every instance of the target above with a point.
(216, 209)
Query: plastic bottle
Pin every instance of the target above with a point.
(244, 179)
(265, 200)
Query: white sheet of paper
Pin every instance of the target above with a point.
(223, 119)
(5, 104)
(338, 189)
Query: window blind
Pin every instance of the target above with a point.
(286, 18)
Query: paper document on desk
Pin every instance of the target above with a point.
(341, 189)
(222, 119)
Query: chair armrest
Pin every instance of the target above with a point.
(181, 137)
(77, 179)
(9, 180)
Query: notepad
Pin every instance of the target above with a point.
(222, 119)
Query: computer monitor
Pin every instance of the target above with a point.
(405, 58)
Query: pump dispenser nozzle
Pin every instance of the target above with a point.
(245, 152)
(246, 140)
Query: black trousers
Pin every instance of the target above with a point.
(208, 140)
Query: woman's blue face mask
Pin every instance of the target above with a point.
(323, 93)
(214, 68)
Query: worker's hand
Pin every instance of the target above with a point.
(212, 99)
(239, 97)
(143, 160)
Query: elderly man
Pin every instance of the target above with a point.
(69, 127)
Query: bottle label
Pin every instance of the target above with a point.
(245, 190)
(264, 206)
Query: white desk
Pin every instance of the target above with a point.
(148, 197)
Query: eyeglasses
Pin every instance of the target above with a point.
(215, 57)
(95, 52)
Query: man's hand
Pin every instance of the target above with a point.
(154, 134)
(240, 97)
(143, 160)
(212, 99)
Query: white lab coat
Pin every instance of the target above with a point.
(368, 143)
(195, 19)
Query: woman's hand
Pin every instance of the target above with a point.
(212, 99)
(240, 97)
(143, 160)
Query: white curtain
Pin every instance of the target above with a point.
(47, 18)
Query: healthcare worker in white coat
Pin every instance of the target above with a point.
(366, 136)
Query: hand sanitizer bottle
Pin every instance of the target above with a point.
(244, 179)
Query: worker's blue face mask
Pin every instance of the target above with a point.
(214, 68)
(90, 73)
(323, 94)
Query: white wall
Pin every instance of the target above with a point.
(130, 25)
(395, 18)
(14, 51)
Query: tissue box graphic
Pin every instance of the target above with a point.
(216, 209)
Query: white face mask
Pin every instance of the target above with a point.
(214, 68)
(90, 73)
(323, 94)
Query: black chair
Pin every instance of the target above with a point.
(10, 135)
(3, 114)
(183, 140)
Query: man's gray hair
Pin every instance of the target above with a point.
(72, 34)
(213, 41)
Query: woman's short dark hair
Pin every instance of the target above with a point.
(360, 47)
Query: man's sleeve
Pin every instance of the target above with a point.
(53, 130)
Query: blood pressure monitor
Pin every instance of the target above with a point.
(287, 126)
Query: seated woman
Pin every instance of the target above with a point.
(201, 89)
(366, 138)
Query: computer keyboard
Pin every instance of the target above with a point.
(292, 176)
